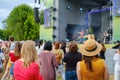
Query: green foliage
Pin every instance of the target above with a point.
(21, 23)
(4, 34)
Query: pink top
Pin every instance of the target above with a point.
(13, 58)
(30, 73)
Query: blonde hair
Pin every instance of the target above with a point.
(28, 52)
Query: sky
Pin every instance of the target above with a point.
(6, 7)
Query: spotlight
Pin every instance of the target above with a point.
(54, 18)
(81, 10)
(54, 27)
(68, 7)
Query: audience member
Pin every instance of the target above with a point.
(26, 68)
(14, 55)
(40, 46)
(11, 39)
(63, 46)
(117, 65)
(48, 62)
(59, 56)
(116, 45)
(91, 67)
(71, 58)
(103, 50)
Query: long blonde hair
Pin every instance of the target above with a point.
(28, 52)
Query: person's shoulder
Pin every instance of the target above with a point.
(34, 65)
(18, 62)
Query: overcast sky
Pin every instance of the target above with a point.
(7, 5)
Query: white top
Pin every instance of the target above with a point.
(117, 58)
(39, 50)
(1, 59)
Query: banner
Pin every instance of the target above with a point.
(47, 18)
(116, 8)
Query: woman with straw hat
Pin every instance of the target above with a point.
(91, 67)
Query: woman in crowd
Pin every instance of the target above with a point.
(26, 68)
(91, 67)
(48, 62)
(71, 58)
(14, 55)
(63, 46)
(117, 65)
(59, 55)
(40, 46)
(103, 50)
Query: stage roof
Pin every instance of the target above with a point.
(90, 4)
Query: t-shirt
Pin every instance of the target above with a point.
(30, 73)
(58, 53)
(13, 58)
(71, 60)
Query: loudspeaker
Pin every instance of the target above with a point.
(36, 15)
(54, 36)
(54, 27)
(54, 18)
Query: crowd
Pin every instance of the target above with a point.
(47, 60)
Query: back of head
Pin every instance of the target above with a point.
(41, 42)
(28, 52)
(73, 46)
(11, 38)
(48, 46)
(57, 45)
(17, 49)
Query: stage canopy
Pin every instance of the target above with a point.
(92, 3)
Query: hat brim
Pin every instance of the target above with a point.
(92, 53)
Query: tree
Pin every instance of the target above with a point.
(21, 24)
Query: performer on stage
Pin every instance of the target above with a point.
(81, 36)
(105, 37)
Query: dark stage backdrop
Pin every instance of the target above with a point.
(74, 31)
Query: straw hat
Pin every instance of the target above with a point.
(90, 47)
(91, 36)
